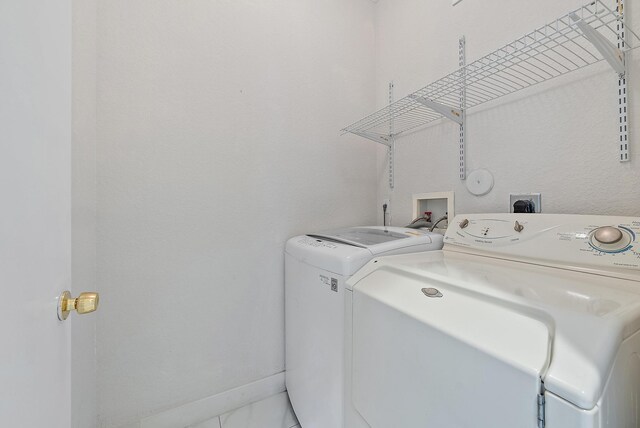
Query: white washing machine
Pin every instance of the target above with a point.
(316, 268)
(521, 321)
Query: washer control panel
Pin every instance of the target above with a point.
(590, 241)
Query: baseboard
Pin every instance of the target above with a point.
(210, 407)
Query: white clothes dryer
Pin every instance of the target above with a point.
(522, 320)
(316, 268)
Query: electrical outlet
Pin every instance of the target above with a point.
(536, 198)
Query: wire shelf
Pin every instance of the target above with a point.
(580, 38)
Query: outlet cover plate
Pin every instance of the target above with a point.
(536, 198)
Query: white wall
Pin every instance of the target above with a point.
(217, 140)
(557, 138)
(83, 211)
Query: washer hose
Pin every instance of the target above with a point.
(444, 217)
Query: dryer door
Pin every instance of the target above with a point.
(462, 360)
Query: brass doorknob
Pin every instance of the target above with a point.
(83, 304)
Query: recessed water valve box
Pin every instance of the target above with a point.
(534, 198)
(438, 203)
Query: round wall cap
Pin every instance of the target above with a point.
(479, 182)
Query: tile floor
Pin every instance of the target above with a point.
(272, 412)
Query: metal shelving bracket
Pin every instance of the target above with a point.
(381, 139)
(448, 112)
(392, 146)
(610, 52)
(462, 62)
(622, 87)
(615, 55)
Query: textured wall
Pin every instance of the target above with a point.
(558, 138)
(83, 211)
(217, 140)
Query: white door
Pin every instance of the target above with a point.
(35, 230)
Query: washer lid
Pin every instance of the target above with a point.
(423, 350)
(377, 239)
(588, 315)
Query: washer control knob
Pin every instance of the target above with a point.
(464, 223)
(518, 227)
(607, 235)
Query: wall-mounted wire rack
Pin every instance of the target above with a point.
(587, 35)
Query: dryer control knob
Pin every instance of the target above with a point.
(607, 235)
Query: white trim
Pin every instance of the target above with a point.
(210, 407)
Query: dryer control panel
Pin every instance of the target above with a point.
(587, 241)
